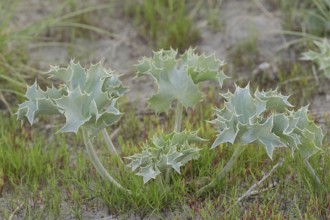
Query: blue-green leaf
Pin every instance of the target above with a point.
(87, 98)
(39, 102)
(76, 107)
(176, 78)
(321, 58)
(202, 67)
(267, 120)
(274, 100)
(148, 173)
(263, 134)
(166, 152)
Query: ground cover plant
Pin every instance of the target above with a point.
(87, 99)
(202, 157)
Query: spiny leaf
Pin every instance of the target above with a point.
(76, 108)
(202, 67)
(266, 119)
(243, 104)
(274, 100)
(175, 87)
(282, 127)
(114, 87)
(228, 131)
(109, 116)
(263, 134)
(311, 135)
(39, 102)
(185, 136)
(148, 173)
(176, 78)
(87, 98)
(188, 153)
(166, 151)
(307, 147)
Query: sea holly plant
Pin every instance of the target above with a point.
(321, 58)
(167, 151)
(265, 119)
(87, 98)
(177, 79)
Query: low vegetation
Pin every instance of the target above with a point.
(207, 145)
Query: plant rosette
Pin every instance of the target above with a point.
(164, 153)
(87, 98)
(265, 119)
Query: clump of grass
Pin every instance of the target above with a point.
(11, 80)
(292, 14)
(22, 160)
(244, 56)
(308, 19)
(38, 174)
(166, 22)
(317, 17)
(26, 165)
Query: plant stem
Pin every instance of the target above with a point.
(312, 172)
(97, 163)
(110, 145)
(178, 117)
(167, 175)
(229, 166)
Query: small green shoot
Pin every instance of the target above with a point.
(321, 58)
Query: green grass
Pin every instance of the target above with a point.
(167, 22)
(245, 56)
(45, 172)
(311, 16)
(47, 176)
(304, 21)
